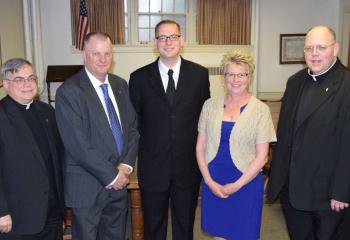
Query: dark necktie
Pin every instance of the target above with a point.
(170, 90)
(113, 118)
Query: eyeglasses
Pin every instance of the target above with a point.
(22, 80)
(164, 38)
(236, 75)
(318, 48)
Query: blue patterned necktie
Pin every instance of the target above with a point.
(113, 119)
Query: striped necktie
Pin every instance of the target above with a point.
(113, 119)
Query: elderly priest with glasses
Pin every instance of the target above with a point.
(311, 163)
(31, 199)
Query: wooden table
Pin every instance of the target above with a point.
(136, 208)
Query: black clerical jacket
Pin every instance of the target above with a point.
(24, 181)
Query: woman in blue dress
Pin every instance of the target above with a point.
(232, 147)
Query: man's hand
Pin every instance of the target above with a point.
(123, 177)
(5, 223)
(338, 206)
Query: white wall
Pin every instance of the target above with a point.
(11, 29)
(283, 16)
(344, 21)
(11, 32)
(275, 17)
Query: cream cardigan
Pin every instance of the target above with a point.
(254, 126)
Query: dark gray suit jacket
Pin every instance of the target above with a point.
(313, 156)
(91, 155)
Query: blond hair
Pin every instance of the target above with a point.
(239, 58)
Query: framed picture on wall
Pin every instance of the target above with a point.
(292, 48)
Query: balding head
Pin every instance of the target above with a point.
(320, 49)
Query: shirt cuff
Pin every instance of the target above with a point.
(109, 186)
(130, 167)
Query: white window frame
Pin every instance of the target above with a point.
(132, 9)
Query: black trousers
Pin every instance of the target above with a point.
(183, 203)
(51, 231)
(315, 225)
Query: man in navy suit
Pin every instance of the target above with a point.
(168, 95)
(311, 163)
(98, 127)
(31, 196)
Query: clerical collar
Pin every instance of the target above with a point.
(27, 105)
(322, 73)
(24, 106)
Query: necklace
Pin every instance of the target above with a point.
(232, 116)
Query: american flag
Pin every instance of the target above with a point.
(83, 27)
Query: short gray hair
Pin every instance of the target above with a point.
(99, 35)
(13, 65)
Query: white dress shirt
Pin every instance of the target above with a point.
(163, 70)
(97, 86)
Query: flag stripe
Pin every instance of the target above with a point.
(83, 26)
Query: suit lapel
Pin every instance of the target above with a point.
(184, 79)
(120, 99)
(155, 81)
(44, 120)
(329, 87)
(297, 96)
(52, 139)
(98, 114)
(157, 84)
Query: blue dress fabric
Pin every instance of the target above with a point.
(237, 217)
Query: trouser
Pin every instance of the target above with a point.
(183, 204)
(315, 225)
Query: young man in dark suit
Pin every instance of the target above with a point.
(98, 127)
(31, 196)
(168, 95)
(311, 163)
